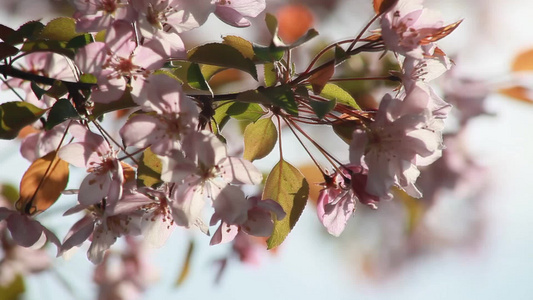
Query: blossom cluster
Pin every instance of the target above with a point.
(406, 130)
(194, 181)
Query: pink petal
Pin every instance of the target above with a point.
(25, 231)
(143, 131)
(102, 240)
(231, 16)
(231, 206)
(94, 188)
(225, 233)
(120, 39)
(90, 58)
(239, 171)
(78, 233)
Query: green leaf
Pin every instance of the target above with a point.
(180, 70)
(88, 78)
(321, 108)
(37, 90)
(344, 129)
(283, 97)
(14, 289)
(271, 77)
(272, 24)
(6, 50)
(221, 117)
(224, 56)
(149, 170)
(57, 90)
(196, 79)
(287, 186)
(334, 92)
(62, 29)
(60, 112)
(245, 111)
(49, 46)
(259, 139)
(340, 54)
(268, 54)
(209, 71)
(80, 41)
(244, 46)
(16, 115)
(29, 30)
(9, 192)
(311, 33)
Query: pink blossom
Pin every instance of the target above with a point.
(336, 202)
(125, 275)
(101, 228)
(26, 231)
(156, 223)
(176, 116)
(235, 12)
(105, 179)
(119, 60)
(175, 16)
(46, 64)
(21, 261)
(408, 27)
(236, 213)
(400, 138)
(214, 170)
(39, 144)
(96, 15)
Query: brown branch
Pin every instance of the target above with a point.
(8, 70)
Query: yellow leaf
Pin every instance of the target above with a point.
(287, 186)
(42, 184)
(186, 269)
(259, 139)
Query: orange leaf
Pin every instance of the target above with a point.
(382, 6)
(523, 62)
(42, 184)
(320, 78)
(128, 171)
(293, 22)
(27, 130)
(313, 175)
(519, 93)
(443, 32)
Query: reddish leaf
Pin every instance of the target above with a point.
(321, 78)
(42, 184)
(6, 50)
(443, 32)
(382, 6)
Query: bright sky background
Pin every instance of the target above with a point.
(310, 264)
